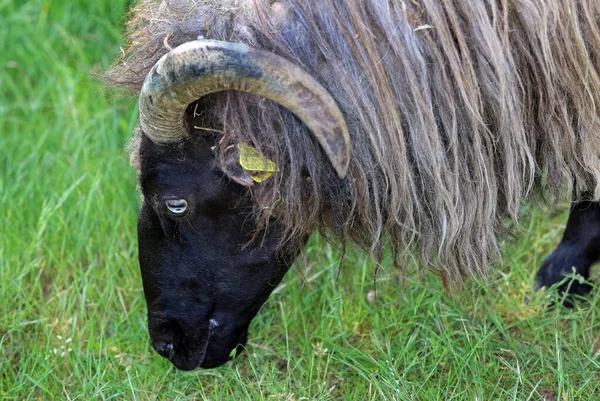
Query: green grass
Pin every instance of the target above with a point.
(72, 313)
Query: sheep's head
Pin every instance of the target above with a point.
(204, 278)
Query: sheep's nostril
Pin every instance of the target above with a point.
(165, 349)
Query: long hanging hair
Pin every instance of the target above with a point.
(458, 112)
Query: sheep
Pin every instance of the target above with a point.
(415, 126)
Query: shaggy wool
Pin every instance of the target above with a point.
(458, 111)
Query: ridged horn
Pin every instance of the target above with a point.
(202, 67)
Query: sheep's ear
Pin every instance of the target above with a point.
(259, 167)
(246, 166)
(238, 174)
(229, 162)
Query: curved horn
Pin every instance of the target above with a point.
(202, 67)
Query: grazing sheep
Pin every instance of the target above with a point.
(418, 125)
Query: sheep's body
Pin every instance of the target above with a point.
(458, 112)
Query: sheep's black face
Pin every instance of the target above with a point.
(202, 286)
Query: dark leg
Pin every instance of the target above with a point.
(577, 252)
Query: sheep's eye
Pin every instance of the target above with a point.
(176, 207)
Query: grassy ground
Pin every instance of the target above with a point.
(72, 314)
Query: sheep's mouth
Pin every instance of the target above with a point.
(191, 360)
(223, 347)
(197, 357)
(189, 353)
